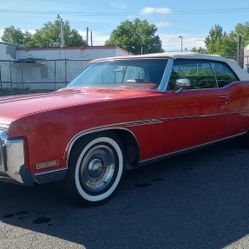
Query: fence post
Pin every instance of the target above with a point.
(1, 77)
(65, 71)
(22, 77)
(11, 83)
(55, 74)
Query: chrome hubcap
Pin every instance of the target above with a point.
(98, 169)
(95, 168)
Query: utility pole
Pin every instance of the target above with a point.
(62, 41)
(142, 50)
(181, 37)
(239, 50)
(87, 35)
(91, 38)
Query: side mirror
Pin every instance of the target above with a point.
(181, 83)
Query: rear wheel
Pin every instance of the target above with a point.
(96, 167)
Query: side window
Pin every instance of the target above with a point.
(223, 73)
(198, 72)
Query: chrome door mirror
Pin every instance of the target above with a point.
(182, 83)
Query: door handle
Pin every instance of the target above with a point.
(224, 97)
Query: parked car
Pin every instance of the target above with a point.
(118, 114)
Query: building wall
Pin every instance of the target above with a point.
(246, 60)
(7, 52)
(51, 67)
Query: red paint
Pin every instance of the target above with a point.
(49, 121)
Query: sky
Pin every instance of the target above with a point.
(190, 19)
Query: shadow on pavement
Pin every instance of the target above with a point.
(197, 200)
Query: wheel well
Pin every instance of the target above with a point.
(128, 140)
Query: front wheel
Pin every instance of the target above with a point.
(95, 169)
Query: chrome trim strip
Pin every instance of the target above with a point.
(130, 124)
(203, 116)
(166, 76)
(50, 172)
(94, 130)
(50, 176)
(161, 157)
(3, 141)
(144, 122)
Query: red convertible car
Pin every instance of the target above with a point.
(120, 113)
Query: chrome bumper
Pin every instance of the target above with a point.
(12, 160)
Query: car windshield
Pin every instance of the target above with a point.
(123, 74)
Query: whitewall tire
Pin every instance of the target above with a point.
(96, 168)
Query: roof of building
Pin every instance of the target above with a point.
(6, 44)
(243, 75)
(71, 48)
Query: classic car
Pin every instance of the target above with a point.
(118, 114)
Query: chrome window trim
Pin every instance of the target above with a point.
(217, 85)
(210, 62)
(166, 76)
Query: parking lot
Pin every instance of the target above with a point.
(197, 200)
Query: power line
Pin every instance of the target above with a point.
(110, 13)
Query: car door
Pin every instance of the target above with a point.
(237, 95)
(196, 114)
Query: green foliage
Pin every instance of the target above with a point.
(47, 36)
(199, 50)
(243, 30)
(219, 42)
(136, 36)
(13, 36)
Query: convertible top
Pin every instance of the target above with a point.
(242, 74)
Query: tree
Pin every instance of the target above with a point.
(136, 36)
(199, 50)
(13, 36)
(49, 36)
(243, 30)
(219, 42)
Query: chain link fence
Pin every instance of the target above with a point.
(39, 74)
(48, 75)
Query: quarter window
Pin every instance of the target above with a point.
(198, 72)
(223, 74)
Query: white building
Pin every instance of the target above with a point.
(47, 68)
(246, 60)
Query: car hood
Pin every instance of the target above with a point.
(15, 107)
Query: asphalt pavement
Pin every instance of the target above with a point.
(194, 201)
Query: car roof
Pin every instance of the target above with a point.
(173, 55)
(242, 74)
